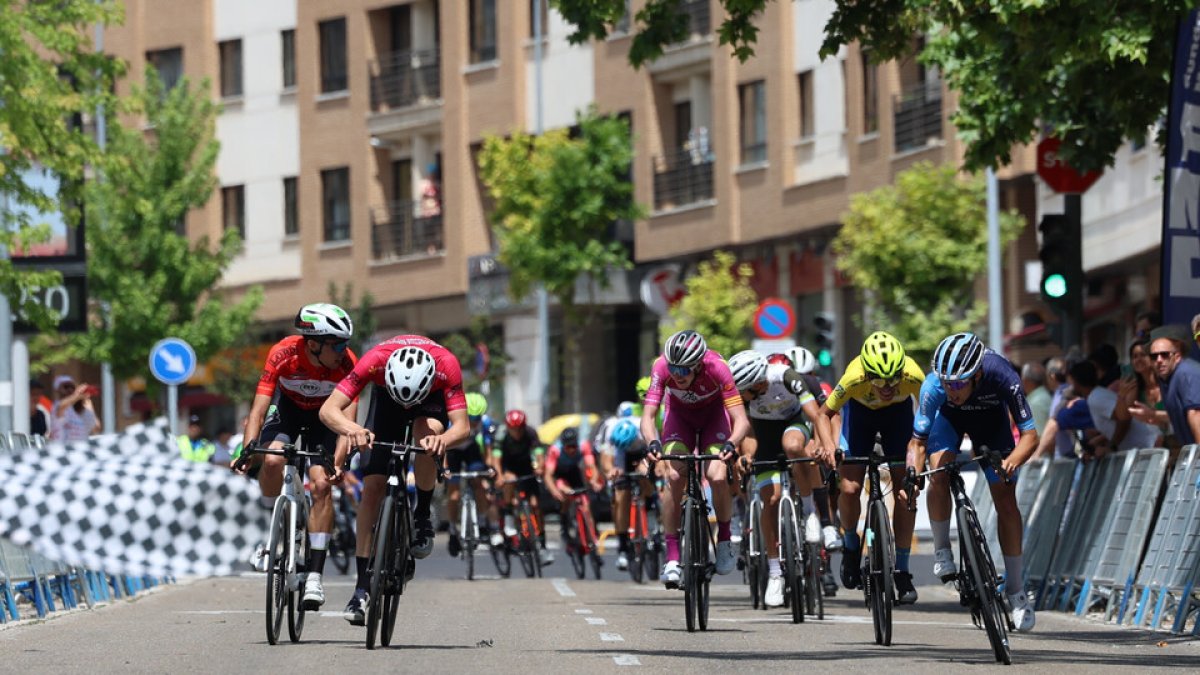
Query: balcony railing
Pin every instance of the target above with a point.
(698, 14)
(401, 79)
(405, 229)
(918, 116)
(681, 179)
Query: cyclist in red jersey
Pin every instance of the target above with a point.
(300, 373)
(424, 385)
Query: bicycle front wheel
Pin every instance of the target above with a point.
(881, 572)
(276, 573)
(983, 573)
(793, 571)
(469, 534)
(381, 566)
(402, 564)
(637, 543)
(296, 575)
(812, 583)
(689, 565)
(502, 558)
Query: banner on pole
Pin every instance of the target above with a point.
(1181, 197)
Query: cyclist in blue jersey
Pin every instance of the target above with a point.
(977, 392)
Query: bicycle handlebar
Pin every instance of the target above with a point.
(288, 451)
(782, 462)
(469, 475)
(984, 457)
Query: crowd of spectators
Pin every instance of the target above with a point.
(1104, 402)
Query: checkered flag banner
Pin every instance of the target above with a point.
(129, 504)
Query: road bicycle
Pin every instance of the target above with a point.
(342, 539)
(879, 554)
(977, 583)
(579, 540)
(801, 561)
(645, 531)
(696, 564)
(468, 517)
(754, 547)
(287, 546)
(526, 542)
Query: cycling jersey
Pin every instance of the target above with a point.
(712, 383)
(786, 395)
(856, 385)
(631, 456)
(516, 454)
(304, 383)
(572, 469)
(373, 366)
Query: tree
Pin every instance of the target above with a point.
(49, 78)
(719, 305)
(466, 344)
(556, 198)
(149, 280)
(916, 248)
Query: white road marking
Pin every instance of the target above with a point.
(596, 621)
(563, 589)
(611, 637)
(583, 611)
(219, 611)
(626, 660)
(836, 619)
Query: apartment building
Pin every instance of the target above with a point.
(350, 130)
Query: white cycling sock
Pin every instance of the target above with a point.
(318, 540)
(941, 533)
(773, 567)
(1014, 583)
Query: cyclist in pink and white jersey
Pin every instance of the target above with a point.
(704, 411)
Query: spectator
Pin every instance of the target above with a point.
(1179, 378)
(1141, 386)
(1033, 379)
(1107, 363)
(1196, 329)
(223, 454)
(1116, 429)
(193, 446)
(40, 409)
(1146, 322)
(1056, 375)
(74, 418)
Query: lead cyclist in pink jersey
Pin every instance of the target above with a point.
(703, 411)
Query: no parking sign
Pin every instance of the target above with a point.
(774, 319)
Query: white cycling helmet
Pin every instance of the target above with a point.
(409, 375)
(322, 319)
(685, 349)
(802, 360)
(958, 357)
(748, 368)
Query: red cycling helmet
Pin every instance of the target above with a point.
(514, 419)
(779, 358)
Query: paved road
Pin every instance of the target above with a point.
(451, 625)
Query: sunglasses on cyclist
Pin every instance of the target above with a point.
(679, 371)
(885, 384)
(956, 385)
(340, 346)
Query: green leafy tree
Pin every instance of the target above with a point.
(719, 305)
(916, 248)
(465, 344)
(49, 77)
(149, 280)
(556, 196)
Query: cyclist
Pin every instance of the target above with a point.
(977, 392)
(628, 455)
(424, 386)
(300, 373)
(704, 412)
(518, 454)
(778, 400)
(467, 456)
(571, 465)
(875, 396)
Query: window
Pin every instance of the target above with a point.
(333, 55)
(683, 124)
(287, 42)
(335, 203)
(542, 7)
(291, 217)
(804, 85)
(752, 97)
(169, 64)
(482, 18)
(870, 91)
(233, 209)
(621, 27)
(231, 67)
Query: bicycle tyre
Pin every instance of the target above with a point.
(688, 564)
(467, 538)
(401, 560)
(295, 603)
(881, 573)
(637, 543)
(380, 566)
(704, 568)
(654, 550)
(755, 570)
(793, 574)
(983, 573)
(502, 558)
(276, 581)
(812, 585)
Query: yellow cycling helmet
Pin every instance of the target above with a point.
(882, 355)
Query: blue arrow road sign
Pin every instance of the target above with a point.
(172, 361)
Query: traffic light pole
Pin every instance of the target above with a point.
(1072, 318)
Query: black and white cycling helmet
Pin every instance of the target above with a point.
(958, 357)
(322, 319)
(409, 375)
(802, 360)
(748, 368)
(685, 349)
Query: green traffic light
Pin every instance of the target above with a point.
(824, 357)
(1055, 285)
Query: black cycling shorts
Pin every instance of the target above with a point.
(392, 422)
(286, 421)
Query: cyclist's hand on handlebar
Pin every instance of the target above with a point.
(616, 473)
(912, 487)
(360, 437)
(654, 450)
(745, 462)
(434, 445)
(242, 463)
(728, 451)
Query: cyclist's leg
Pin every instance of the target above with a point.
(620, 514)
(857, 440)
(944, 441)
(850, 504)
(454, 464)
(805, 476)
(894, 425)
(770, 491)
(713, 431)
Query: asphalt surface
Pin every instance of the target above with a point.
(449, 624)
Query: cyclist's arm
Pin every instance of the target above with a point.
(649, 428)
(739, 423)
(825, 445)
(823, 423)
(1020, 454)
(255, 419)
(1046, 440)
(334, 415)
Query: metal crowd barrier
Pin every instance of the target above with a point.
(46, 584)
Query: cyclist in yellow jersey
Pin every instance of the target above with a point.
(875, 395)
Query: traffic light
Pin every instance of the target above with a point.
(825, 326)
(1062, 273)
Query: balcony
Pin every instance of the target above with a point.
(682, 179)
(406, 91)
(406, 230)
(695, 51)
(698, 14)
(918, 116)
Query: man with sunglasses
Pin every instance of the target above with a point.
(704, 412)
(976, 392)
(875, 397)
(300, 373)
(1179, 379)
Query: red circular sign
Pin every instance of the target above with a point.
(1058, 175)
(774, 319)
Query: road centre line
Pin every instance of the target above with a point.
(596, 621)
(626, 660)
(561, 586)
(611, 637)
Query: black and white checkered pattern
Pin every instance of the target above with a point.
(129, 504)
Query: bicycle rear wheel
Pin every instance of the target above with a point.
(881, 572)
(756, 565)
(381, 565)
(689, 564)
(276, 573)
(296, 576)
(793, 572)
(983, 574)
(812, 582)
(704, 567)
